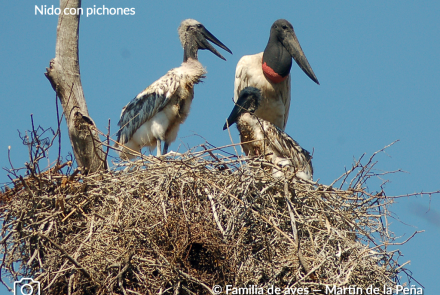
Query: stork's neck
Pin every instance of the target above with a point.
(277, 61)
(190, 49)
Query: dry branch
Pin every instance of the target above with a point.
(64, 76)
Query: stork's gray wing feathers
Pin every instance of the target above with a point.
(287, 147)
(146, 104)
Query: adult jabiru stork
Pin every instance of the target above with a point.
(154, 115)
(262, 138)
(269, 71)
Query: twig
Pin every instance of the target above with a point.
(108, 141)
(294, 230)
(214, 212)
(83, 270)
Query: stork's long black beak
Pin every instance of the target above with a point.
(291, 43)
(204, 44)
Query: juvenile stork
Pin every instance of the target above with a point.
(269, 71)
(154, 115)
(260, 137)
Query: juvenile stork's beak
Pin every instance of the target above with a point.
(236, 112)
(202, 41)
(291, 43)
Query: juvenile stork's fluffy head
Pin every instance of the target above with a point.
(194, 36)
(248, 102)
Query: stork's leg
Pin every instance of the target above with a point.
(165, 147)
(158, 142)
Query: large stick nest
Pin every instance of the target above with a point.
(186, 223)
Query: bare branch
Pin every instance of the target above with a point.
(64, 76)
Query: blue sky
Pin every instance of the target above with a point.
(377, 62)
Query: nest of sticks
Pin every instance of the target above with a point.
(183, 224)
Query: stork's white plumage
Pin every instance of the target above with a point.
(261, 138)
(154, 115)
(269, 71)
(276, 102)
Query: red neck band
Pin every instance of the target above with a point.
(272, 75)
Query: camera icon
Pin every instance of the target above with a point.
(26, 286)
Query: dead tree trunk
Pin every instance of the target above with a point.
(64, 75)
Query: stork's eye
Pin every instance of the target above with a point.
(285, 27)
